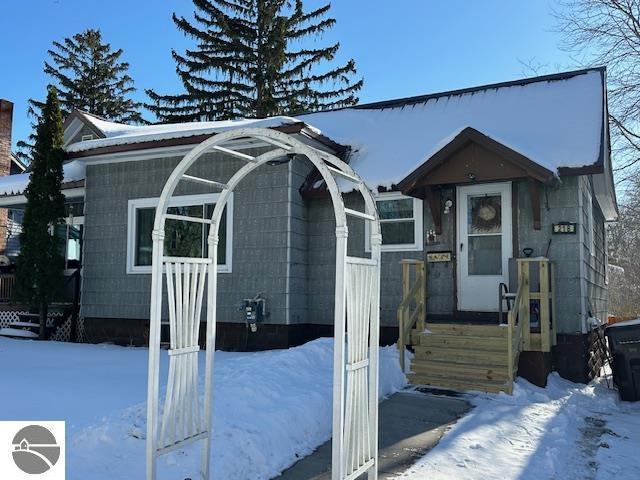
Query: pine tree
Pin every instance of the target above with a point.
(252, 59)
(40, 264)
(90, 76)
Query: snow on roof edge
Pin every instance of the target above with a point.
(13, 185)
(122, 134)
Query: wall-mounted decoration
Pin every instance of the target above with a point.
(432, 237)
(436, 257)
(569, 228)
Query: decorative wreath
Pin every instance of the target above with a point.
(486, 214)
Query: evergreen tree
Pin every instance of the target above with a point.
(40, 264)
(252, 59)
(90, 76)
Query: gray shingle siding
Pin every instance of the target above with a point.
(559, 203)
(321, 278)
(260, 236)
(284, 245)
(595, 256)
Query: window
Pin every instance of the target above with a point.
(400, 222)
(182, 239)
(70, 237)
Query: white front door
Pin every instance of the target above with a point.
(484, 244)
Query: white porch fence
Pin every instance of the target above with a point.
(356, 313)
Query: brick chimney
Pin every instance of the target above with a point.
(6, 123)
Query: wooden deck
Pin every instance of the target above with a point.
(473, 356)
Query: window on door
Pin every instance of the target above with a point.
(484, 231)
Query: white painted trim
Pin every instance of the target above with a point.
(177, 201)
(418, 220)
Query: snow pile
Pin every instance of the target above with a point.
(16, 184)
(554, 123)
(270, 408)
(566, 431)
(122, 134)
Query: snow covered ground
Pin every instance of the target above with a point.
(270, 408)
(566, 431)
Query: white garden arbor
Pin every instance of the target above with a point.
(184, 418)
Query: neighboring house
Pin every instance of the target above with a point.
(482, 173)
(10, 164)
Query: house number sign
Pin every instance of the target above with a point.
(434, 257)
(565, 228)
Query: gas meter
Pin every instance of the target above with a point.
(255, 311)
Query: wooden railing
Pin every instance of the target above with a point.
(520, 336)
(515, 321)
(7, 286)
(412, 309)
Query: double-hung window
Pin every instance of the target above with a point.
(182, 238)
(400, 222)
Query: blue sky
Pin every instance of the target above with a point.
(402, 47)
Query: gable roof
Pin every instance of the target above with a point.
(19, 164)
(556, 121)
(470, 135)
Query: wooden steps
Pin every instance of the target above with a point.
(461, 357)
(458, 384)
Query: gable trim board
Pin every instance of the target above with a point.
(468, 137)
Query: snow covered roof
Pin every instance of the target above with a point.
(121, 134)
(16, 184)
(556, 121)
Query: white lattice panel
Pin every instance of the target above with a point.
(358, 440)
(182, 415)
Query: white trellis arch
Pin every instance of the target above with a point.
(357, 298)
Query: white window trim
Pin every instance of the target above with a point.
(417, 245)
(179, 201)
(591, 238)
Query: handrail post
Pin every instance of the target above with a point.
(545, 334)
(422, 272)
(524, 315)
(412, 294)
(510, 355)
(401, 343)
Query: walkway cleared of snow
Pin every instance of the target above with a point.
(270, 408)
(566, 431)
